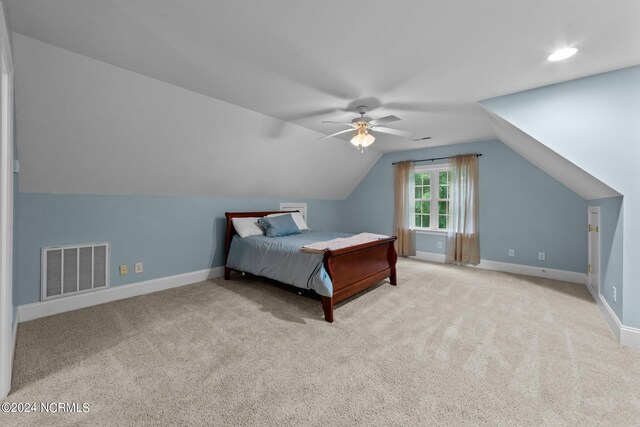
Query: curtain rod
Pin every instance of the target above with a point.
(440, 158)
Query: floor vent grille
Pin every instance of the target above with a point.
(69, 270)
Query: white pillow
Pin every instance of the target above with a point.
(247, 226)
(297, 218)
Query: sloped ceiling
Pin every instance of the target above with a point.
(427, 62)
(580, 182)
(87, 127)
(592, 121)
(261, 76)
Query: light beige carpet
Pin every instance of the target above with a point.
(450, 346)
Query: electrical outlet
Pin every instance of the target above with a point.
(124, 270)
(439, 245)
(542, 256)
(138, 267)
(512, 252)
(615, 295)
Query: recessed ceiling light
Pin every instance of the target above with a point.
(563, 53)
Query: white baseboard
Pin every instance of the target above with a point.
(36, 310)
(593, 293)
(612, 320)
(527, 270)
(625, 334)
(630, 336)
(429, 256)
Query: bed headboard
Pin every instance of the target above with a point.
(230, 231)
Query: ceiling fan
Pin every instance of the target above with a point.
(363, 125)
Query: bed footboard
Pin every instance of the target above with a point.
(357, 268)
(352, 270)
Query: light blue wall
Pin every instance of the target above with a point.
(611, 267)
(169, 234)
(594, 123)
(521, 208)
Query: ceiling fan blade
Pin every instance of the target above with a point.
(337, 123)
(335, 134)
(398, 132)
(385, 119)
(434, 107)
(297, 115)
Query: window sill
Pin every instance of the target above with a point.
(432, 232)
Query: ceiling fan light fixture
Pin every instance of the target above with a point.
(362, 138)
(563, 53)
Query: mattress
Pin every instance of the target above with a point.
(281, 259)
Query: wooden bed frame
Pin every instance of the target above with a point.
(351, 270)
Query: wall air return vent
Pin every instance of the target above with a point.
(70, 270)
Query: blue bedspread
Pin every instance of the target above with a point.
(279, 258)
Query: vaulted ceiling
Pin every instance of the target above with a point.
(428, 62)
(226, 98)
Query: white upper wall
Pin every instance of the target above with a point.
(88, 127)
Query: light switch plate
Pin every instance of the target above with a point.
(124, 270)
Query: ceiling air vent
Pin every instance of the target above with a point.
(69, 270)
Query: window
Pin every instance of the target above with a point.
(431, 198)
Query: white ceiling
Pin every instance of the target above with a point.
(427, 62)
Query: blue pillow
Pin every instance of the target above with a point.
(277, 226)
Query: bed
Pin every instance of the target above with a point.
(334, 275)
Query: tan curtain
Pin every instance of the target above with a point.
(405, 245)
(463, 243)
